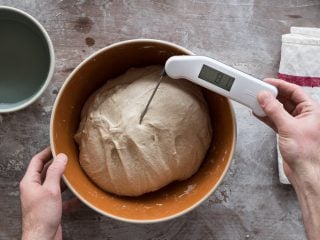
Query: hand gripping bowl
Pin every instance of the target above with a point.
(169, 202)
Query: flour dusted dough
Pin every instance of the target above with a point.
(126, 158)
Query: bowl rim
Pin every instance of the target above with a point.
(45, 84)
(128, 220)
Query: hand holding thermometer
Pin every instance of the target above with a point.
(219, 78)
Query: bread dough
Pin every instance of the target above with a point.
(126, 158)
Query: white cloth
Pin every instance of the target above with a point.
(300, 64)
(300, 53)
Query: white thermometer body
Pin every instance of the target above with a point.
(220, 78)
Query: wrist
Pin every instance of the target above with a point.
(306, 185)
(37, 234)
(309, 198)
(304, 176)
(305, 179)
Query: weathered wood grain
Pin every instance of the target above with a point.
(250, 203)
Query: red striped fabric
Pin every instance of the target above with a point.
(302, 81)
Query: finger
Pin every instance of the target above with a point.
(33, 173)
(304, 107)
(274, 109)
(55, 171)
(287, 103)
(289, 90)
(44, 170)
(267, 121)
(58, 235)
(71, 205)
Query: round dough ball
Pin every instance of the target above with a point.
(127, 158)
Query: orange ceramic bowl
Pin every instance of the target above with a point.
(169, 202)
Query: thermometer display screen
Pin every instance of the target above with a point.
(215, 77)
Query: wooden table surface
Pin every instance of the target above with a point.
(250, 203)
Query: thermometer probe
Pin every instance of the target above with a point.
(217, 77)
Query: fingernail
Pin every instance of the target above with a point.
(264, 97)
(62, 158)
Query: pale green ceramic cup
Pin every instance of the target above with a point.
(26, 59)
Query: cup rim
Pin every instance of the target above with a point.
(54, 153)
(33, 98)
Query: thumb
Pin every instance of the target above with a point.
(273, 109)
(55, 171)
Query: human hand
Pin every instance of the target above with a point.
(296, 118)
(40, 194)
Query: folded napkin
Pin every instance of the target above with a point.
(300, 64)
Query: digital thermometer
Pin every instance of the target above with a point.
(220, 78)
